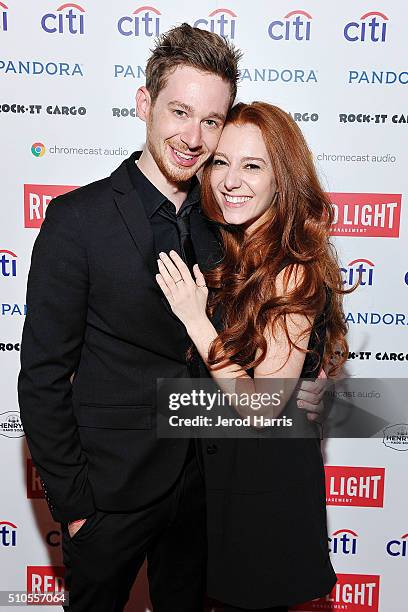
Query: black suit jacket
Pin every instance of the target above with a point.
(96, 312)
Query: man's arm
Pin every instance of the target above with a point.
(57, 294)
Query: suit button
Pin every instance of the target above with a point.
(212, 449)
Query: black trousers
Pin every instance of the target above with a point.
(103, 558)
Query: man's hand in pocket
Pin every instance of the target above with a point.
(75, 526)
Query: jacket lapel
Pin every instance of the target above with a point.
(134, 215)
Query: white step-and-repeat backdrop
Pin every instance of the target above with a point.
(68, 76)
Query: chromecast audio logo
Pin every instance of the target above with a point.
(38, 149)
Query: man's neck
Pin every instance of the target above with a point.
(175, 192)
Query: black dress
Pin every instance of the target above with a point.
(266, 508)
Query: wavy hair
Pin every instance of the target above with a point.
(294, 232)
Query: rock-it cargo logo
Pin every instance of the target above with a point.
(221, 21)
(8, 263)
(354, 486)
(8, 534)
(10, 424)
(352, 593)
(36, 200)
(366, 215)
(372, 27)
(68, 19)
(296, 25)
(396, 437)
(343, 542)
(359, 271)
(3, 17)
(38, 149)
(144, 21)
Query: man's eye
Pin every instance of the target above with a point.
(211, 123)
(179, 113)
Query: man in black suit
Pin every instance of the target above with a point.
(98, 334)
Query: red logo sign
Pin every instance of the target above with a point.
(36, 200)
(352, 593)
(354, 486)
(45, 579)
(366, 214)
(34, 488)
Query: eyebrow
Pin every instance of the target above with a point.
(190, 109)
(260, 159)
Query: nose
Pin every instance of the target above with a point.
(192, 137)
(232, 179)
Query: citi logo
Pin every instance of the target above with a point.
(296, 25)
(221, 21)
(397, 548)
(68, 19)
(3, 17)
(8, 263)
(372, 27)
(145, 21)
(344, 542)
(8, 533)
(358, 270)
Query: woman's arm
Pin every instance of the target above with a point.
(188, 299)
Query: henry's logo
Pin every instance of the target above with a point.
(358, 270)
(8, 263)
(45, 579)
(68, 19)
(366, 214)
(34, 488)
(343, 542)
(354, 486)
(222, 21)
(8, 534)
(372, 27)
(296, 25)
(10, 424)
(144, 21)
(397, 548)
(3, 17)
(352, 592)
(396, 437)
(36, 200)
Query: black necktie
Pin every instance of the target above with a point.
(188, 255)
(186, 244)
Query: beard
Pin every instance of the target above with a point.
(173, 173)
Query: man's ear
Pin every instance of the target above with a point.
(143, 103)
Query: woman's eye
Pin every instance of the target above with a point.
(252, 167)
(219, 162)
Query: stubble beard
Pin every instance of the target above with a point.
(172, 173)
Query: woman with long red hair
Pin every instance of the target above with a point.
(274, 311)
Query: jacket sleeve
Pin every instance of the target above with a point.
(57, 294)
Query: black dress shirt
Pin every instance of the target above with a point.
(166, 223)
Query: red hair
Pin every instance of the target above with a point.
(294, 231)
